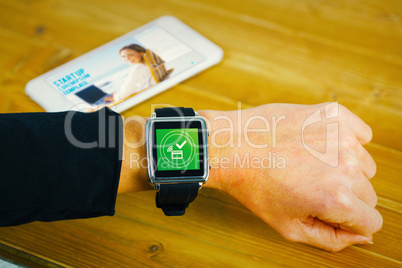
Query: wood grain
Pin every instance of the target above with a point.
(307, 52)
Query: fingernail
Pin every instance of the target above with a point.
(365, 242)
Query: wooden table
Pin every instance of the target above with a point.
(292, 51)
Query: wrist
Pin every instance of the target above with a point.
(216, 177)
(134, 172)
(239, 146)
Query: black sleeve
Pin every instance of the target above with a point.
(56, 166)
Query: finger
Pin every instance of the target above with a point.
(350, 146)
(366, 161)
(358, 217)
(325, 236)
(364, 191)
(342, 206)
(362, 131)
(357, 180)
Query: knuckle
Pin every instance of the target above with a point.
(343, 111)
(340, 199)
(332, 109)
(350, 165)
(349, 141)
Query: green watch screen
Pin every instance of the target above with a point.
(177, 149)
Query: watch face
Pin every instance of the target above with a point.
(178, 149)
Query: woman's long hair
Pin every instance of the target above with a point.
(136, 48)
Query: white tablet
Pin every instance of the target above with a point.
(127, 70)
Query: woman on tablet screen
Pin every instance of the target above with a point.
(139, 75)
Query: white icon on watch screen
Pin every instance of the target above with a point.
(177, 154)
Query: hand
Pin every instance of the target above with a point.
(310, 182)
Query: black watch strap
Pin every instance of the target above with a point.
(174, 112)
(173, 199)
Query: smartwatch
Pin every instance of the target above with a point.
(177, 152)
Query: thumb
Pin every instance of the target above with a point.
(327, 237)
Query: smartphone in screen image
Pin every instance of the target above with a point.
(127, 70)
